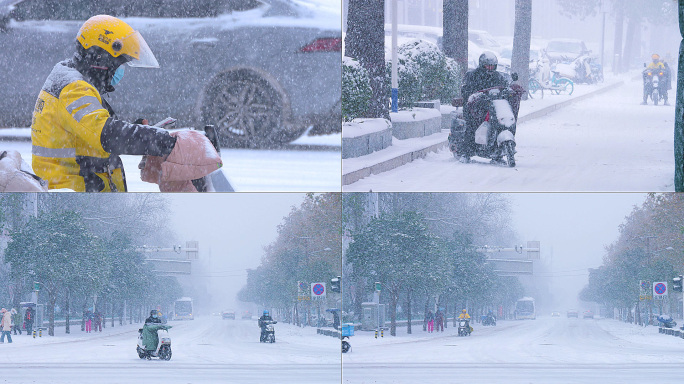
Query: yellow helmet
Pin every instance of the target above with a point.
(464, 311)
(118, 39)
(655, 56)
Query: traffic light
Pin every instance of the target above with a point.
(677, 284)
(335, 284)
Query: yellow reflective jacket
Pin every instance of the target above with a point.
(658, 65)
(67, 123)
(76, 139)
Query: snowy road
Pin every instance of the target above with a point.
(605, 143)
(281, 170)
(205, 350)
(547, 350)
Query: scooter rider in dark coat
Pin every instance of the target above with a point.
(154, 318)
(263, 322)
(483, 77)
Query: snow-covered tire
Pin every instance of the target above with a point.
(509, 151)
(655, 96)
(535, 89)
(249, 108)
(165, 353)
(141, 353)
(564, 85)
(346, 347)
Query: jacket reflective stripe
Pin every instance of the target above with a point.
(94, 106)
(53, 152)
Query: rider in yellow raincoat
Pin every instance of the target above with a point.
(75, 134)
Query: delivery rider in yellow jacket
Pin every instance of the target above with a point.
(75, 135)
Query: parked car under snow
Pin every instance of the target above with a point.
(263, 71)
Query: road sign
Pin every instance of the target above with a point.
(660, 289)
(317, 290)
(303, 292)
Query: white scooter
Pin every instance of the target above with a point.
(163, 350)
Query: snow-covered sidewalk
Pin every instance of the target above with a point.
(405, 151)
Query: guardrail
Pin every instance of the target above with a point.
(671, 332)
(328, 332)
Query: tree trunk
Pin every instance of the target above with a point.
(365, 42)
(66, 308)
(408, 311)
(427, 305)
(52, 297)
(455, 33)
(522, 37)
(394, 297)
(679, 113)
(617, 46)
(628, 53)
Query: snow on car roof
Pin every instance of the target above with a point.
(319, 14)
(567, 40)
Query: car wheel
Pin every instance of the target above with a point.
(250, 109)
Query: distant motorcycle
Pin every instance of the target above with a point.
(464, 327)
(666, 321)
(346, 331)
(488, 320)
(268, 332)
(654, 85)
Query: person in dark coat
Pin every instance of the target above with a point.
(29, 316)
(483, 77)
(154, 318)
(439, 320)
(264, 320)
(97, 321)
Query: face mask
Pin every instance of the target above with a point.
(118, 75)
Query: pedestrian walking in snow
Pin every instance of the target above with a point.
(88, 321)
(98, 321)
(439, 320)
(431, 321)
(6, 325)
(29, 316)
(16, 321)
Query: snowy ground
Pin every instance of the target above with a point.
(605, 143)
(297, 168)
(205, 350)
(546, 350)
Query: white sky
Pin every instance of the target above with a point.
(573, 229)
(232, 229)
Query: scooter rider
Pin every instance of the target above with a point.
(657, 64)
(75, 134)
(483, 77)
(263, 322)
(464, 315)
(154, 318)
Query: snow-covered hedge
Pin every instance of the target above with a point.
(425, 73)
(356, 90)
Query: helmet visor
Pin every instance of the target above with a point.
(140, 54)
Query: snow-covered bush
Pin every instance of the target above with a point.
(425, 73)
(356, 90)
